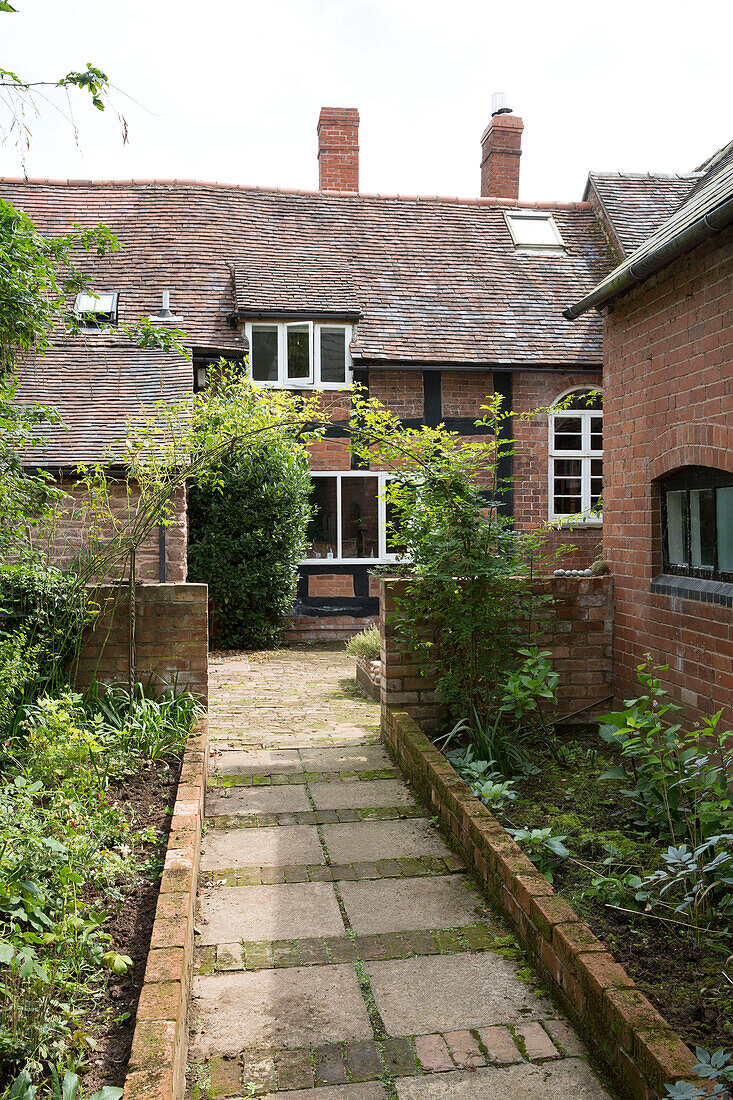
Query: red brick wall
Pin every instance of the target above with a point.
(501, 148)
(401, 391)
(76, 519)
(579, 635)
(668, 393)
(317, 628)
(531, 462)
(464, 392)
(338, 149)
(331, 584)
(172, 638)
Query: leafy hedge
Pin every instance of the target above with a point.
(247, 534)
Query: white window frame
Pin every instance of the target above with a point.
(533, 215)
(585, 455)
(382, 555)
(313, 382)
(95, 297)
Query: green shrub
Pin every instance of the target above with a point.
(365, 644)
(248, 524)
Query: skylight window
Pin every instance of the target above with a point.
(534, 231)
(98, 309)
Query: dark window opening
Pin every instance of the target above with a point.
(697, 523)
(206, 364)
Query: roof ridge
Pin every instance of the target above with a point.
(502, 203)
(683, 177)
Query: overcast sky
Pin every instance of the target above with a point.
(230, 90)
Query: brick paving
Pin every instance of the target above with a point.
(369, 968)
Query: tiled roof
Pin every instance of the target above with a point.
(636, 205)
(705, 211)
(98, 384)
(431, 280)
(712, 166)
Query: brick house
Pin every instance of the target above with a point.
(668, 394)
(432, 304)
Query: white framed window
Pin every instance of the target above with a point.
(96, 308)
(576, 459)
(349, 523)
(534, 231)
(300, 354)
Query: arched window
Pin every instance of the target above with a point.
(697, 523)
(576, 456)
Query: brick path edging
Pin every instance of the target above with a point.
(633, 1041)
(157, 1068)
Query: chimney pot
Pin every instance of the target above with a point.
(338, 149)
(501, 148)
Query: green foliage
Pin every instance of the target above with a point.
(714, 1068)
(248, 522)
(488, 785)
(544, 849)
(518, 716)
(365, 644)
(470, 602)
(37, 276)
(681, 777)
(62, 839)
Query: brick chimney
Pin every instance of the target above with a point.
(501, 148)
(338, 149)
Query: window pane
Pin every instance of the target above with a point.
(264, 353)
(568, 433)
(725, 529)
(359, 519)
(534, 231)
(322, 527)
(299, 363)
(333, 355)
(702, 528)
(596, 433)
(596, 481)
(677, 528)
(567, 483)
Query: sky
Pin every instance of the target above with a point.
(230, 90)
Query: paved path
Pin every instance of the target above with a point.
(342, 953)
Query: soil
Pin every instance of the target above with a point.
(151, 795)
(688, 976)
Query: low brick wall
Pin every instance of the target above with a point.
(369, 677)
(315, 628)
(172, 640)
(637, 1046)
(157, 1069)
(579, 635)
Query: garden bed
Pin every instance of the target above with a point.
(680, 970)
(151, 796)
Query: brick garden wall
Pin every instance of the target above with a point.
(75, 518)
(668, 396)
(579, 636)
(172, 639)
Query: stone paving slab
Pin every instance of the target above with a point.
(570, 1079)
(349, 796)
(276, 1008)
(253, 761)
(451, 992)
(370, 1090)
(359, 758)
(273, 847)
(378, 840)
(279, 912)
(260, 800)
(396, 905)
